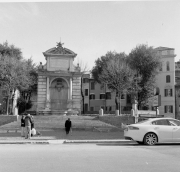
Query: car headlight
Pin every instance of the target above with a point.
(133, 128)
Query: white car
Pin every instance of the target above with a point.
(153, 131)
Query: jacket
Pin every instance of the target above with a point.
(28, 121)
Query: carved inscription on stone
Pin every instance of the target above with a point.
(59, 63)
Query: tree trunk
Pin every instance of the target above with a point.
(116, 102)
(120, 104)
(7, 106)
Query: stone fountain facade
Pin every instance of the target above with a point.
(59, 83)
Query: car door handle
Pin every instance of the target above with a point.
(174, 128)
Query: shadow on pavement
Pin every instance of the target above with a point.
(136, 144)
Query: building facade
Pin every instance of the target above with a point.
(97, 96)
(177, 89)
(165, 81)
(101, 97)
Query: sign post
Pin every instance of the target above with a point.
(156, 100)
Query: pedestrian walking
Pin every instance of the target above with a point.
(22, 126)
(28, 122)
(68, 126)
(32, 122)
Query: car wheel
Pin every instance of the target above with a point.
(150, 139)
(140, 143)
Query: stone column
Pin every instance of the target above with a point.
(70, 89)
(70, 101)
(47, 94)
(47, 88)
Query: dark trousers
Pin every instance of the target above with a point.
(67, 130)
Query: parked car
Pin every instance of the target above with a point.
(153, 131)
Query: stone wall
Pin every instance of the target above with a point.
(41, 98)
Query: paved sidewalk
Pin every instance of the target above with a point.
(58, 136)
(84, 131)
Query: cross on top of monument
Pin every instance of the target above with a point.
(59, 44)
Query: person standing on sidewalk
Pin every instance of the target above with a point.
(28, 122)
(68, 126)
(22, 126)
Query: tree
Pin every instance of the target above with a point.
(24, 101)
(15, 72)
(145, 62)
(83, 69)
(115, 73)
(101, 63)
(33, 77)
(10, 50)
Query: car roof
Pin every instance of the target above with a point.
(152, 119)
(149, 120)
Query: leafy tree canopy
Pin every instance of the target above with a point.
(144, 60)
(10, 51)
(114, 71)
(101, 63)
(15, 71)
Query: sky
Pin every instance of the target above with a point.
(89, 28)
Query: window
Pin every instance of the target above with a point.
(168, 80)
(110, 108)
(86, 92)
(102, 96)
(92, 85)
(174, 122)
(122, 96)
(91, 96)
(167, 66)
(161, 122)
(91, 108)
(128, 98)
(168, 92)
(85, 107)
(178, 93)
(168, 109)
(108, 95)
(164, 52)
(85, 80)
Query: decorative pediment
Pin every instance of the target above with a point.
(59, 50)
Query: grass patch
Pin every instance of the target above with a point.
(116, 120)
(6, 119)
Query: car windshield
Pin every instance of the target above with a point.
(174, 122)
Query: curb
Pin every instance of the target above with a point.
(32, 142)
(67, 141)
(100, 141)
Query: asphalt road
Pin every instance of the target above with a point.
(89, 158)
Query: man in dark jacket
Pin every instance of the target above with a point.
(68, 125)
(28, 122)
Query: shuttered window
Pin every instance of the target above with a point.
(168, 93)
(168, 109)
(86, 92)
(168, 79)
